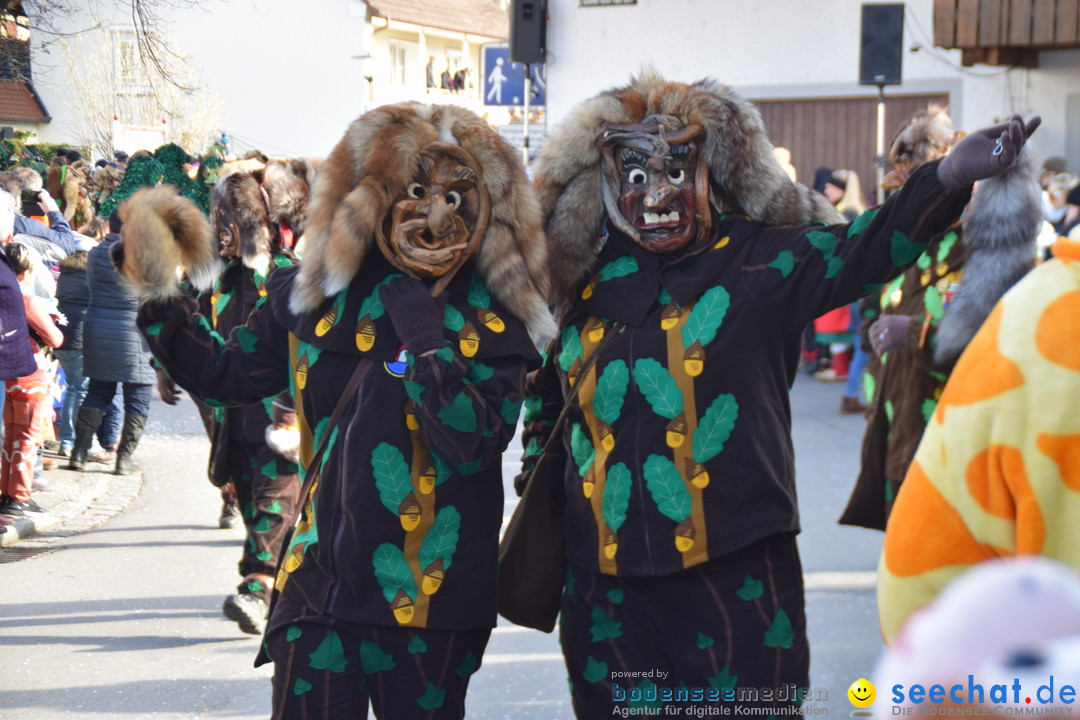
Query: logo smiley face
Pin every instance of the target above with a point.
(862, 693)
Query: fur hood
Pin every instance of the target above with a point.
(928, 135)
(374, 163)
(744, 175)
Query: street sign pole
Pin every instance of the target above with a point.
(525, 117)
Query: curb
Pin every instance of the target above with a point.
(80, 500)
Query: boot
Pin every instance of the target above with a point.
(129, 438)
(85, 426)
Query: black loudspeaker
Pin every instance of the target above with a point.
(528, 31)
(882, 44)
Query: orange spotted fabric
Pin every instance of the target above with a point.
(998, 469)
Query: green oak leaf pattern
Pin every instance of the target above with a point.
(333, 315)
(293, 633)
(751, 589)
(432, 698)
(667, 488)
(374, 659)
(659, 388)
(903, 250)
(611, 391)
(392, 571)
(706, 316)
(154, 329)
(946, 245)
(330, 655)
(618, 268)
(222, 301)
(780, 634)
(615, 596)
(459, 414)
(784, 262)
(595, 670)
(927, 408)
(932, 301)
(859, 224)
(392, 477)
(534, 407)
(301, 686)
(246, 339)
(415, 391)
(832, 267)
(715, 428)
(924, 261)
(572, 349)
(724, 679)
(822, 241)
(453, 319)
(582, 449)
(616, 496)
(468, 665)
(417, 646)
(441, 539)
(704, 642)
(478, 293)
(510, 411)
(479, 373)
(604, 627)
(372, 306)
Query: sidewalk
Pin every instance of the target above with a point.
(84, 498)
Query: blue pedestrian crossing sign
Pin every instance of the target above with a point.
(504, 81)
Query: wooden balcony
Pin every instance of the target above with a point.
(1006, 32)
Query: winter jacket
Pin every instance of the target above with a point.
(73, 297)
(16, 356)
(679, 450)
(401, 527)
(113, 349)
(997, 471)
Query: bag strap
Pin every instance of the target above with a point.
(347, 394)
(556, 431)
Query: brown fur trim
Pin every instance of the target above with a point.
(163, 231)
(237, 203)
(744, 174)
(927, 135)
(373, 164)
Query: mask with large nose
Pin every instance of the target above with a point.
(656, 184)
(441, 216)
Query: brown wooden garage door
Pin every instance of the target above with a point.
(838, 132)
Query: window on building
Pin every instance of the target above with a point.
(14, 47)
(397, 64)
(598, 3)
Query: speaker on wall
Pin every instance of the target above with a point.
(528, 31)
(882, 44)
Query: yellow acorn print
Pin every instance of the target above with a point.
(669, 317)
(607, 437)
(492, 321)
(684, 535)
(588, 483)
(433, 577)
(469, 340)
(365, 334)
(722, 242)
(594, 329)
(694, 359)
(326, 322)
(411, 423)
(611, 545)
(402, 606)
(427, 480)
(588, 291)
(699, 476)
(409, 512)
(676, 431)
(302, 372)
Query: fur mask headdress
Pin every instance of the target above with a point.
(251, 211)
(373, 167)
(743, 173)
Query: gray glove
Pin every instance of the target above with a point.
(985, 153)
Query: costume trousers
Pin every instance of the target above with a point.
(267, 490)
(736, 622)
(325, 669)
(26, 407)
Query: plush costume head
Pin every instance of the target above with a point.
(657, 158)
(429, 186)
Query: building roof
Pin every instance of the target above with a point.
(479, 17)
(19, 102)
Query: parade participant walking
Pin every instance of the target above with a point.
(928, 314)
(249, 213)
(405, 338)
(676, 460)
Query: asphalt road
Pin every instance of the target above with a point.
(123, 620)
